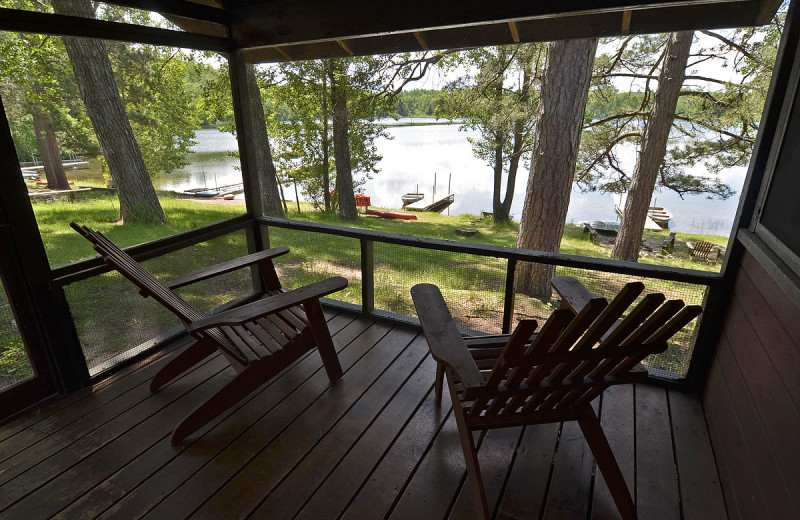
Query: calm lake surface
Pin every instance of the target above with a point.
(417, 155)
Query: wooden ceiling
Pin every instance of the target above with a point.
(283, 30)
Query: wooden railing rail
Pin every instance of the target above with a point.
(94, 266)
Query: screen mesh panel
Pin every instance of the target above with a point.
(672, 364)
(315, 256)
(114, 322)
(15, 366)
(473, 286)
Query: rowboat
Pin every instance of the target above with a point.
(437, 207)
(660, 216)
(410, 198)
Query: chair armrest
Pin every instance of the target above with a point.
(572, 292)
(445, 342)
(225, 267)
(271, 305)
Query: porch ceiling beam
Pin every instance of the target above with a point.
(186, 9)
(295, 21)
(665, 19)
(62, 25)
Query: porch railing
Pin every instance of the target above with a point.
(367, 256)
(691, 285)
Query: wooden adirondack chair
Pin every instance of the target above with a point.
(259, 339)
(700, 250)
(550, 376)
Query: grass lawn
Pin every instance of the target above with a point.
(112, 318)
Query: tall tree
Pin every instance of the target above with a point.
(49, 150)
(217, 103)
(39, 93)
(331, 105)
(499, 100)
(339, 85)
(89, 57)
(565, 86)
(654, 146)
(264, 167)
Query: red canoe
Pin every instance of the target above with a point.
(390, 214)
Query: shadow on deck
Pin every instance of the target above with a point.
(375, 445)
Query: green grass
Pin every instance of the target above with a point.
(111, 317)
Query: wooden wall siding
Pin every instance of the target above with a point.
(752, 399)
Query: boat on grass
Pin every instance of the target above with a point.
(437, 207)
(411, 198)
(603, 227)
(660, 216)
(390, 214)
(649, 223)
(230, 189)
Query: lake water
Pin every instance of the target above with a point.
(416, 155)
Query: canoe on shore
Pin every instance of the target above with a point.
(390, 214)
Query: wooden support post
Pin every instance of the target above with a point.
(41, 311)
(512, 26)
(367, 275)
(508, 304)
(347, 49)
(422, 43)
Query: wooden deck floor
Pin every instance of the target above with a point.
(375, 445)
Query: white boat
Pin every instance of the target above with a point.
(659, 215)
(649, 223)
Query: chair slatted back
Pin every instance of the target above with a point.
(702, 249)
(575, 357)
(149, 285)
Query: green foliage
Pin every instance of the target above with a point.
(716, 119)
(418, 103)
(162, 111)
(299, 112)
(498, 96)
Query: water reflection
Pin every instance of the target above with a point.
(416, 155)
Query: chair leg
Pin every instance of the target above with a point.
(176, 366)
(471, 459)
(322, 337)
(590, 425)
(234, 391)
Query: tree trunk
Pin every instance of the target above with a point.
(497, 204)
(654, 147)
(137, 198)
(502, 209)
(48, 149)
(341, 145)
(259, 141)
(326, 138)
(565, 88)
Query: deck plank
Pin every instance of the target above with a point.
(526, 490)
(701, 494)
(616, 418)
(495, 457)
(379, 425)
(120, 491)
(266, 416)
(374, 445)
(656, 481)
(282, 455)
(572, 476)
(386, 480)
